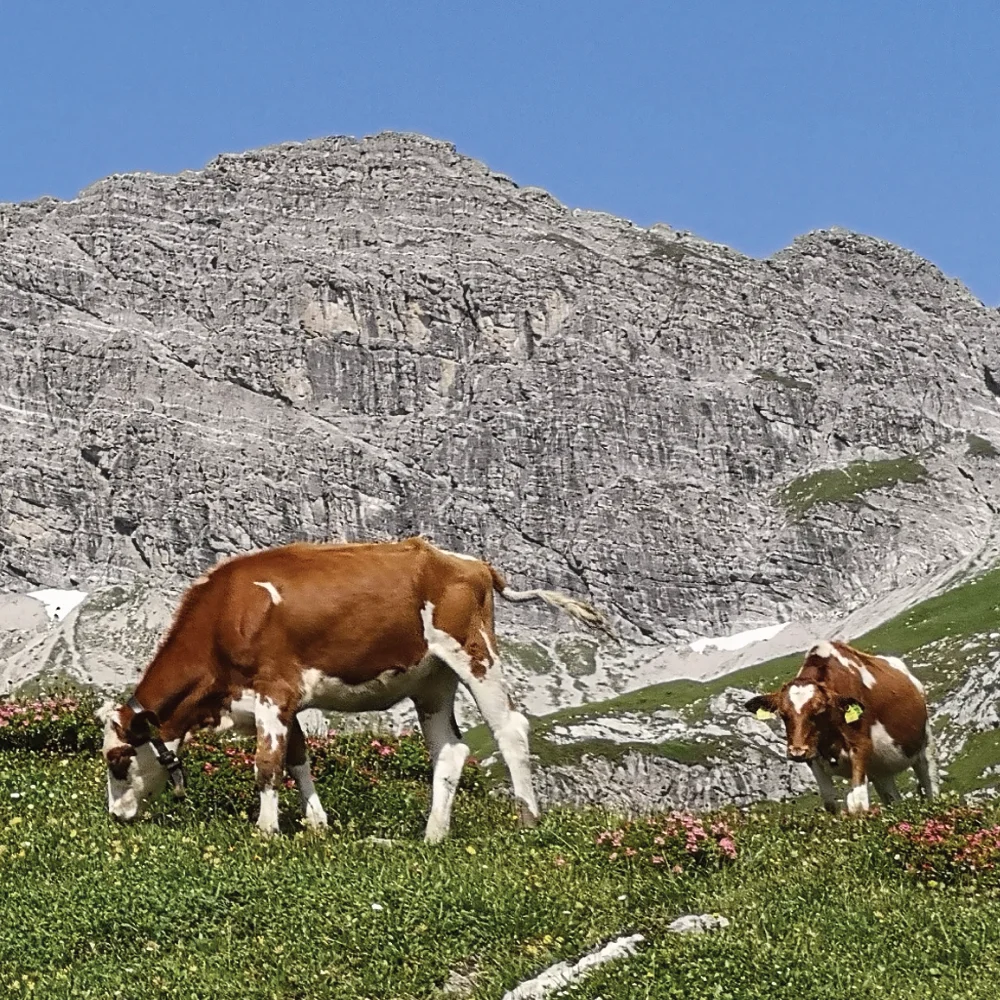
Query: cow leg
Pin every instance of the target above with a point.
(269, 766)
(448, 755)
(857, 797)
(478, 668)
(298, 768)
(825, 785)
(885, 785)
(925, 766)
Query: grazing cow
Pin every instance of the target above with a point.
(345, 627)
(857, 715)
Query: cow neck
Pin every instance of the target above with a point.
(170, 694)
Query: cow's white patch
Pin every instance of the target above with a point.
(460, 555)
(270, 588)
(447, 772)
(312, 808)
(867, 677)
(267, 821)
(59, 603)
(800, 695)
(887, 754)
(268, 720)
(239, 716)
(897, 664)
(509, 728)
(857, 799)
(319, 690)
(827, 651)
(489, 646)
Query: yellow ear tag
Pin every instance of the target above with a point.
(763, 713)
(853, 713)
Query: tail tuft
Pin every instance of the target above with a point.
(580, 610)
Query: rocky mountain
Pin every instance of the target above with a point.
(370, 338)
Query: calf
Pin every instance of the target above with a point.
(345, 627)
(857, 715)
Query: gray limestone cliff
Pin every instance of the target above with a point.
(370, 338)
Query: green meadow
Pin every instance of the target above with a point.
(192, 902)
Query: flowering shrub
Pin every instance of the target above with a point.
(676, 842)
(61, 724)
(949, 847)
(346, 767)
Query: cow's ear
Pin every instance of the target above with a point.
(140, 724)
(764, 706)
(851, 708)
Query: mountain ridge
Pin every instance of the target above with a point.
(348, 338)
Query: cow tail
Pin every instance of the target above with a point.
(580, 610)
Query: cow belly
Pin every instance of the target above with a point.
(331, 694)
(239, 716)
(887, 755)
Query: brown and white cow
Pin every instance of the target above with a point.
(345, 627)
(856, 715)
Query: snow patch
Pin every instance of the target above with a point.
(59, 603)
(739, 640)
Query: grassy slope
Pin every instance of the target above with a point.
(192, 903)
(930, 636)
(849, 484)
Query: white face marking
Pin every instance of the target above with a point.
(146, 776)
(897, 664)
(270, 588)
(800, 695)
(267, 717)
(867, 677)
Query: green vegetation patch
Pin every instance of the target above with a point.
(193, 902)
(933, 637)
(768, 375)
(848, 485)
(977, 447)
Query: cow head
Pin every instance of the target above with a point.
(135, 771)
(809, 709)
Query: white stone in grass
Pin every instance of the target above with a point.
(698, 923)
(562, 974)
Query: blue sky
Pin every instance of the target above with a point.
(746, 122)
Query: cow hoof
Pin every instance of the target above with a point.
(267, 831)
(527, 818)
(435, 834)
(315, 820)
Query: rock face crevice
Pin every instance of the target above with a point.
(347, 338)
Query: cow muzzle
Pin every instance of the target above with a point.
(801, 755)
